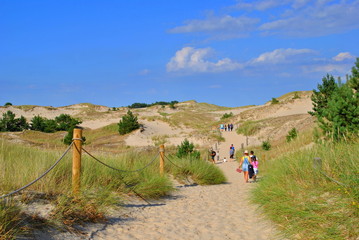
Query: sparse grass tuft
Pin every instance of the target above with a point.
(10, 218)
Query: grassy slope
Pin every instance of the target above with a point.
(302, 201)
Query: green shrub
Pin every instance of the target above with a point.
(128, 123)
(274, 101)
(292, 134)
(186, 149)
(8, 123)
(296, 95)
(227, 115)
(63, 122)
(266, 145)
(8, 104)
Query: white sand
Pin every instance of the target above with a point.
(196, 212)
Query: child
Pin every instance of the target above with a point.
(224, 159)
(254, 164)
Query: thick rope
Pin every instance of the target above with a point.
(46, 172)
(173, 163)
(121, 170)
(121, 177)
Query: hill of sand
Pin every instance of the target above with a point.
(193, 212)
(197, 122)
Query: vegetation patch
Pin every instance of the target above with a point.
(304, 202)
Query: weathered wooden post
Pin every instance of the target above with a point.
(76, 159)
(162, 159)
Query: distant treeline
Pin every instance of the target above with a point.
(143, 105)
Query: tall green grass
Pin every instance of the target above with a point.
(202, 172)
(101, 187)
(304, 202)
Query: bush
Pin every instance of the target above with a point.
(128, 123)
(227, 115)
(296, 96)
(274, 101)
(64, 122)
(266, 145)
(186, 149)
(292, 134)
(69, 136)
(8, 104)
(8, 123)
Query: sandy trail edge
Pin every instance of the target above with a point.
(196, 212)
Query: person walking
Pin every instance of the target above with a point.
(254, 161)
(245, 161)
(213, 154)
(231, 151)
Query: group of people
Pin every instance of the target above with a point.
(226, 127)
(249, 166)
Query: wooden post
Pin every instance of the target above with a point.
(76, 159)
(162, 159)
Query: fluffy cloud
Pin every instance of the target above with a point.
(343, 56)
(339, 64)
(221, 27)
(281, 56)
(196, 60)
(278, 62)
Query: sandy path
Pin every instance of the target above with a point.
(196, 212)
(236, 140)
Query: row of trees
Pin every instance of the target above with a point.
(143, 105)
(336, 106)
(63, 122)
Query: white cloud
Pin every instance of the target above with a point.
(343, 56)
(222, 27)
(317, 18)
(195, 60)
(280, 56)
(339, 64)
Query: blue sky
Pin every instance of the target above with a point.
(228, 52)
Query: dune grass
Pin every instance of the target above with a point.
(202, 172)
(10, 217)
(304, 202)
(102, 188)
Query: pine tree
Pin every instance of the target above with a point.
(128, 123)
(354, 78)
(320, 98)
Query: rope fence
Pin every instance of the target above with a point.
(40, 177)
(76, 166)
